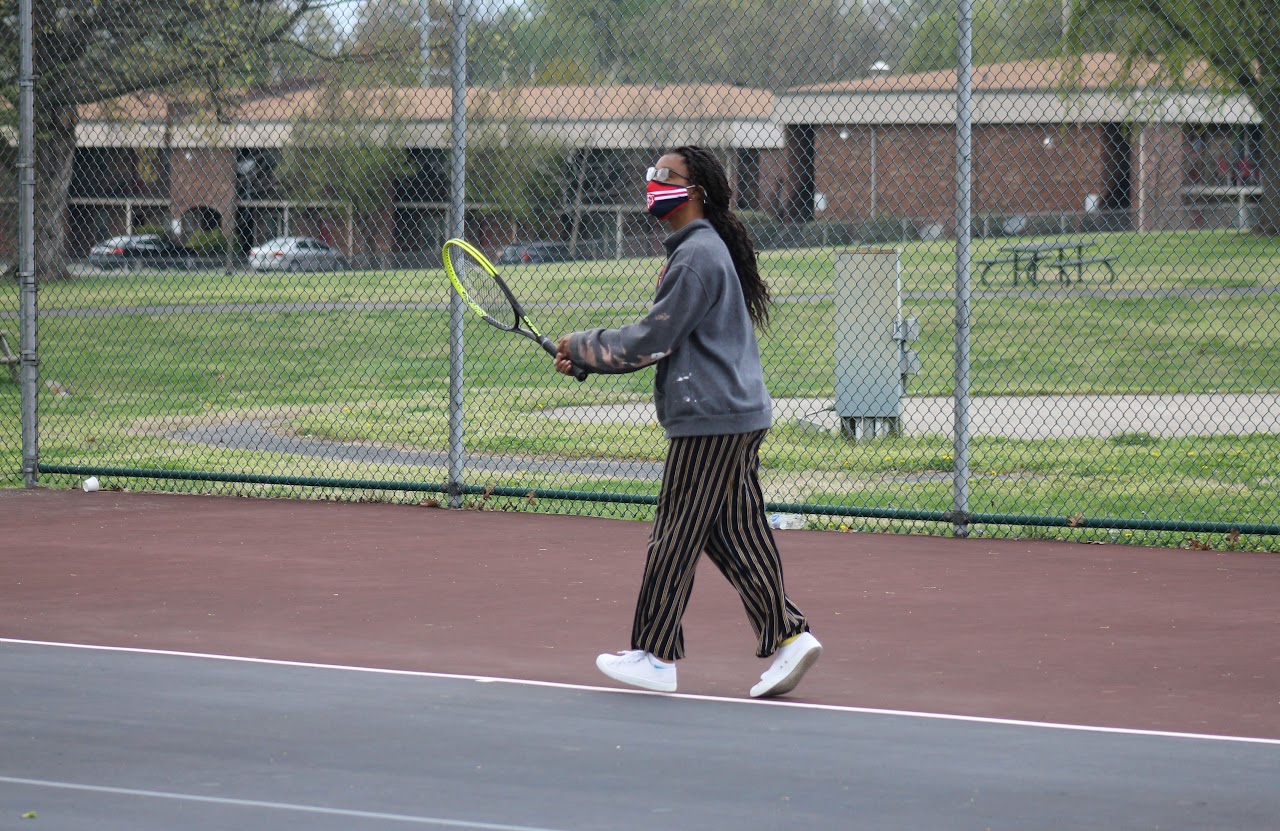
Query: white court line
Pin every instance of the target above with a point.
(802, 705)
(278, 806)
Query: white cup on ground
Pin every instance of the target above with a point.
(91, 484)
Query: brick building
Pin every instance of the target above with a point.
(227, 176)
(1051, 140)
(875, 150)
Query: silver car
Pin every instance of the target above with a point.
(296, 254)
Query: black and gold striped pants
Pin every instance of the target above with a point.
(711, 501)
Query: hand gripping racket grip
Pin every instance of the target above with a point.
(578, 372)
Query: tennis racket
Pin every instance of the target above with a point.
(477, 282)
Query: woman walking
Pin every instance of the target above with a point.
(711, 401)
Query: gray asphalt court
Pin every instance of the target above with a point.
(112, 739)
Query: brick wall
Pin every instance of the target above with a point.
(204, 177)
(1014, 170)
(771, 180)
(1164, 148)
(1030, 169)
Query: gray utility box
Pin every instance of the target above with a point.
(872, 358)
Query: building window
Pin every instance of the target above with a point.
(429, 182)
(800, 167)
(107, 172)
(1223, 156)
(418, 229)
(1118, 168)
(255, 172)
(747, 187)
(607, 177)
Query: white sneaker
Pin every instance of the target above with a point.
(639, 669)
(790, 663)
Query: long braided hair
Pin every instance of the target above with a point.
(705, 170)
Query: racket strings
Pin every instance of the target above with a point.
(482, 287)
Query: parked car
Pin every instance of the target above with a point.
(534, 252)
(137, 251)
(296, 254)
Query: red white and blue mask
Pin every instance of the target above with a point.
(663, 200)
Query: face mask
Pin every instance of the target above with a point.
(664, 200)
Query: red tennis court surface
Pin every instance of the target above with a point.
(1099, 635)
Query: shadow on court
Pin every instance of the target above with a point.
(1110, 636)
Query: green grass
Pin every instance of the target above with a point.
(146, 355)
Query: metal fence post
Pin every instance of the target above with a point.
(964, 233)
(28, 340)
(457, 228)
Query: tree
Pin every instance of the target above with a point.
(348, 151)
(604, 28)
(773, 44)
(510, 170)
(401, 42)
(582, 42)
(995, 40)
(1239, 42)
(1003, 30)
(90, 51)
(312, 51)
(769, 44)
(514, 48)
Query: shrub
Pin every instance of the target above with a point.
(208, 243)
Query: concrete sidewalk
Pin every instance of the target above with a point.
(1022, 417)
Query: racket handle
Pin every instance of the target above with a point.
(578, 372)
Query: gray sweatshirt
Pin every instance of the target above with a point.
(698, 332)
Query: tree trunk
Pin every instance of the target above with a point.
(54, 152)
(1267, 102)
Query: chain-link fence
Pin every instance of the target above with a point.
(1023, 281)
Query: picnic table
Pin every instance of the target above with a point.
(1029, 257)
